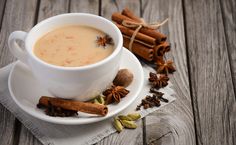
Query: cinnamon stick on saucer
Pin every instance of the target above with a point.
(73, 105)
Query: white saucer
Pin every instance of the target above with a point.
(26, 91)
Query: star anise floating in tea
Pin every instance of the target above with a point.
(158, 82)
(114, 94)
(164, 66)
(104, 40)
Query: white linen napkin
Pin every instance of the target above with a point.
(49, 133)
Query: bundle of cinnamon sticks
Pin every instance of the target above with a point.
(148, 43)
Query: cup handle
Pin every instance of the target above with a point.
(15, 49)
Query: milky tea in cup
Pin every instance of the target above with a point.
(73, 46)
(73, 56)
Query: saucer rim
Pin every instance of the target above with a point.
(77, 122)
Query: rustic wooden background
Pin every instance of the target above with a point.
(202, 34)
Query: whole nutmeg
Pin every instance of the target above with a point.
(123, 78)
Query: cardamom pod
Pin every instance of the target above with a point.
(128, 124)
(101, 100)
(134, 116)
(117, 124)
(95, 101)
(123, 117)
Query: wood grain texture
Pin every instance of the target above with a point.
(88, 6)
(6, 119)
(229, 21)
(7, 126)
(177, 119)
(26, 138)
(14, 18)
(131, 137)
(163, 129)
(50, 8)
(211, 81)
(126, 137)
(2, 8)
(111, 6)
(19, 15)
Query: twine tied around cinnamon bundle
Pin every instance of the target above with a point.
(139, 25)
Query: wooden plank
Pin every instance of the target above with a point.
(126, 137)
(2, 8)
(7, 126)
(26, 138)
(6, 118)
(109, 7)
(131, 137)
(89, 6)
(47, 9)
(229, 21)
(14, 18)
(211, 81)
(161, 131)
(18, 16)
(173, 124)
(50, 8)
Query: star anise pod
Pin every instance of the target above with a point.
(158, 82)
(103, 41)
(114, 94)
(164, 66)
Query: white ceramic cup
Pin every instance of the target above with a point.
(80, 83)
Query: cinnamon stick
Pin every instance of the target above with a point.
(162, 48)
(139, 49)
(130, 14)
(118, 18)
(139, 36)
(141, 42)
(74, 105)
(160, 38)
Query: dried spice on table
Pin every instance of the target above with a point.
(161, 49)
(158, 82)
(149, 102)
(158, 94)
(146, 41)
(163, 66)
(127, 121)
(114, 94)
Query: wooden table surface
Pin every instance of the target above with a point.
(202, 34)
